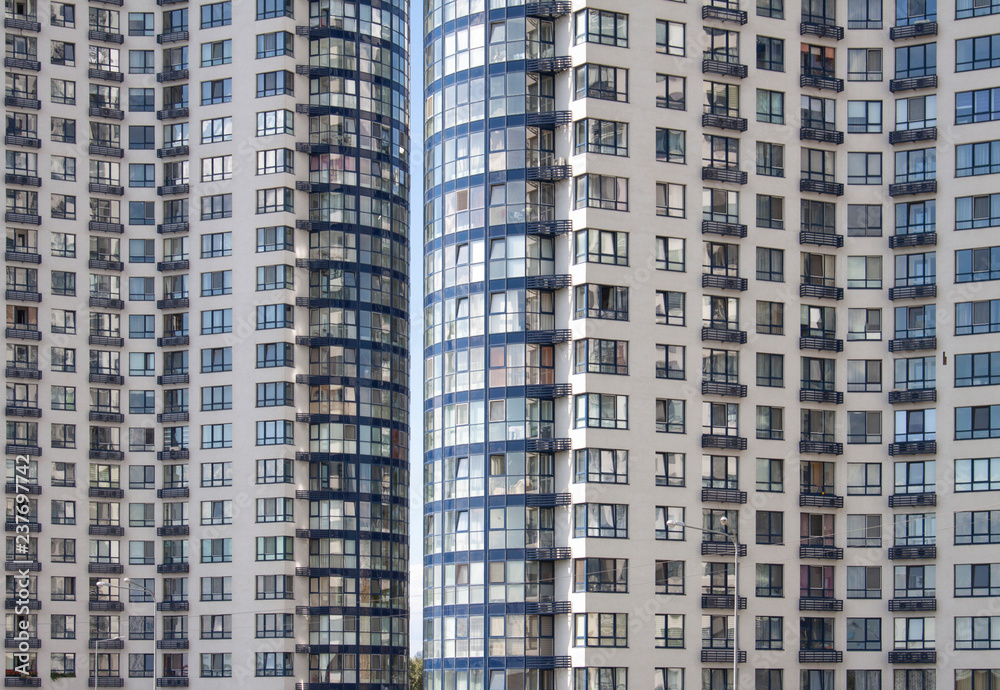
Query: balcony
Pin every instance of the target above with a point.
(103, 188)
(820, 396)
(558, 553)
(171, 228)
(22, 63)
(727, 69)
(105, 492)
(173, 379)
(916, 500)
(180, 605)
(548, 65)
(23, 449)
(174, 303)
(23, 295)
(913, 292)
(713, 227)
(105, 681)
(548, 608)
(721, 656)
(105, 36)
(912, 552)
(829, 136)
(104, 226)
(823, 27)
(548, 282)
(105, 530)
(913, 656)
(172, 37)
(821, 447)
(738, 124)
(172, 682)
(171, 113)
(19, 102)
(820, 604)
(910, 188)
(174, 567)
(548, 337)
(724, 14)
(723, 335)
(22, 218)
(906, 136)
(172, 75)
(30, 524)
(548, 500)
(548, 9)
(22, 488)
(105, 569)
(820, 500)
(173, 454)
(721, 601)
(173, 151)
(18, 140)
(913, 604)
(106, 265)
(816, 81)
(912, 83)
(32, 604)
(820, 656)
(549, 173)
(710, 280)
(915, 239)
(547, 445)
(911, 344)
(176, 492)
(549, 119)
(548, 391)
(23, 256)
(732, 390)
(913, 448)
(105, 74)
(109, 113)
(172, 417)
(724, 442)
(913, 396)
(100, 454)
(109, 151)
(924, 28)
(22, 410)
(109, 340)
(821, 551)
(821, 187)
(721, 548)
(724, 496)
(23, 180)
(174, 341)
(723, 175)
(106, 302)
(173, 531)
(821, 291)
(23, 333)
(106, 416)
(22, 23)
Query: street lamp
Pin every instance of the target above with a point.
(729, 534)
(136, 586)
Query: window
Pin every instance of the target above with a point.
(770, 159)
(982, 105)
(770, 264)
(770, 370)
(63, 91)
(977, 317)
(63, 14)
(216, 550)
(670, 200)
(864, 168)
(216, 244)
(981, 158)
(217, 206)
(775, 9)
(974, 632)
(271, 122)
(977, 474)
(274, 394)
(980, 52)
(275, 471)
(273, 663)
(275, 548)
(771, 211)
(977, 579)
(275, 44)
(670, 362)
(277, 277)
(669, 631)
(216, 435)
(670, 145)
(63, 53)
(670, 92)
(601, 302)
(770, 527)
(976, 8)
(769, 632)
(770, 422)
(600, 26)
(864, 427)
(63, 206)
(720, 206)
(864, 375)
(864, 272)
(274, 355)
(271, 9)
(216, 474)
(864, 582)
(275, 200)
(217, 53)
(917, 61)
(596, 356)
(275, 83)
(141, 137)
(670, 37)
(917, 425)
(216, 321)
(864, 634)
(864, 479)
(982, 421)
(140, 24)
(601, 630)
(770, 54)
(216, 14)
(601, 247)
(141, 213)
(595, 410)
(864, 14)
(275, 161)
(864, 64)
(601, 81)
(770, 318)
(601, 191)
(275, 433)
(216, 91)
(608, 575)
(215, 130)
(914, 633)
(274, 316)
(770, 106)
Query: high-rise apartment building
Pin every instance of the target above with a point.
(206, 343)
(683, 264)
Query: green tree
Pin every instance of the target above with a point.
(416, 673)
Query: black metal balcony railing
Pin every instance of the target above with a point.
(173, 379)
(109, 113)
(821, 187)
(548, 65)
(913, 604)
(173, 151)
(820, 656)
(174, 341)
(549, 337)
(710, 65)
(171, 228)
(925, 28)
(558, 553)
(105, 568)
(104, 188)
(724, 442)
(710, 280)
(105, 226)
(913, 292)
(820, 604)
(548, 9)
(103, 150)
(906, 136)
(22, 63)
(172, 113)
(106, 264)
(913, 396)
(732, 390)
(548, 500)
(18, 140)
(721, 656)
(913, 656)
(816, 500)
(548, 391)
(721, 548)
(174, 492)
(816, 81)
(724, 496)
(824, 27)
(172, 37)
(829, 136)
(106, 302)
(105, 492)
(174, 454)
(926, 498)
(911, 344)
(721, 601)
(23, 180)
(21, 102)
(908, 188)
(821, 291)
(822, 344)
(24, 295)
(172, 189)
(820, 396)
(22, 218)
(821, 447)
(729, 175)
(105, 36)
(23, 333)
(548, 119)
(105, 74)
(714, 227)
(23, 256)
(738, 124)
(106, 416)
(915, 239)
(912, 83)
(912, 447)
(912, 552)
(821, 551)
(23, 410)
(172, 75)
(22, 23)
(724, 14)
